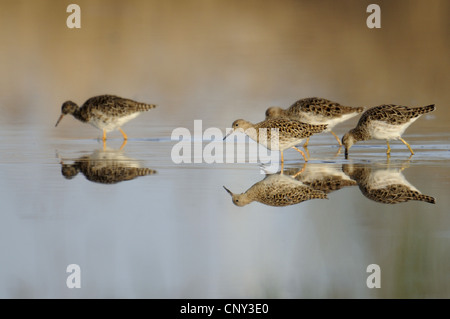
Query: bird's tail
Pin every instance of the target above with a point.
(426, 198)
(145, 107)
(145, 171)
(425, 109)
(318, 194)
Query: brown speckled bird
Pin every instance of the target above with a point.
(387, 186)
(315, 110)
(105, 112)
(323, 176)
(287, 133)
(106, 167)
(277, 190)
(384, 122)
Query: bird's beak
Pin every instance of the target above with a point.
(346, 153)
(59, 120)
(231, 132)
(229, 192)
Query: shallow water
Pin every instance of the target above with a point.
(174, 232)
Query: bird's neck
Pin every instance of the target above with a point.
(246, 198)
(358, 134)
(80, 115)
(361, 175)
(252, 132)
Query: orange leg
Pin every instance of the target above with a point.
(282, 158)
(125, 137)
(300, 171)
(306, 150)
(301, 152)
(337, 138)
(123, 145)
(104, 135)
(306, 143)
(404, 142)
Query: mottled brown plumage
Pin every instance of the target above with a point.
(324, 177)
(278, 134)
(105, 167)
(387, 186)
(387, 121)
(316, 111)
(105, 112)
(277, 190)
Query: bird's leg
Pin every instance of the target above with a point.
(306, 143)
(404, 142)
(123, 145)
(104, 145)
(104, 135)
(300, 171)
(301, 152)
(406, 163)
(337, 138)
(306, 150)
(338, 151)
(125, 137)
(388, 152)
(282, 158)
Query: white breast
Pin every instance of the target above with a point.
(386, 177)
(281, 182)
(109, 156)
(331, 122)
(113, 123)
(314, 172)
(384, 131)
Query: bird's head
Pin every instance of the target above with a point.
(274, 112)
(347, 141)
(238, 199)
(68, 107)
(69, 171)
(239, 125)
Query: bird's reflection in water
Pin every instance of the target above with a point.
(106, 166)
(322, 176)
(277, 190)
(384, 185)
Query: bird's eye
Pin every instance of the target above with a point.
(236, 124)
(237, 200)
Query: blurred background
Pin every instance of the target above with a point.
(215, 60)
(177, 234)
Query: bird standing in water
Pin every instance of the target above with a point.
(286, 133)
(105, 112)
(316, 111)
(384, 122)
